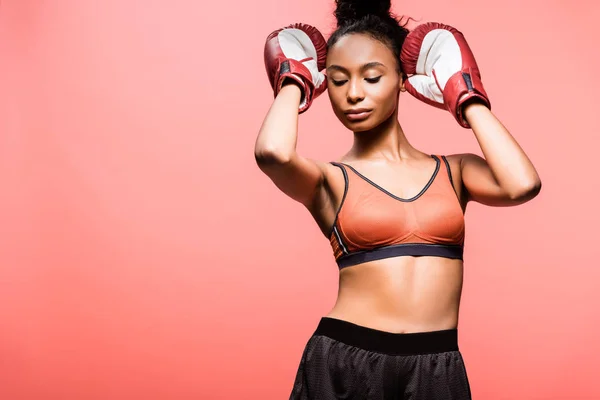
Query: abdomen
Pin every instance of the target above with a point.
(402, 294)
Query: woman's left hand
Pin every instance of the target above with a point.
(442, 69)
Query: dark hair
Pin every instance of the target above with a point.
(371, 17)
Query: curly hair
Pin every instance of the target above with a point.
(373, 18)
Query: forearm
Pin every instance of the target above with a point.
(278, 134)
(509, 164)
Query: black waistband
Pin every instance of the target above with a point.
(388, 342)
(396, 250)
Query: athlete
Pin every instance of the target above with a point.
(394, 214)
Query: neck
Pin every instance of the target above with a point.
(387, 142)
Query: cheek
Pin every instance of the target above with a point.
(337, 98)
(385, 97)
(335, 94)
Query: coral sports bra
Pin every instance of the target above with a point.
(373, 224)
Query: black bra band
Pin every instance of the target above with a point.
(409, 249)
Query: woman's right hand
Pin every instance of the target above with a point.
(297, 52)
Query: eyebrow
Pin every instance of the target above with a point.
(362, 68)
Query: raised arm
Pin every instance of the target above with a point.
(275, 150)
(294, 57)
(506, 177)
(443, 72)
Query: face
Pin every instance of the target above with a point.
(362, 76)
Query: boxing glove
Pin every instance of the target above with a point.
(297, 52)
(441, 69)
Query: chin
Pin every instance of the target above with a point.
(361, 126)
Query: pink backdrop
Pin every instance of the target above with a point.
(143, 255)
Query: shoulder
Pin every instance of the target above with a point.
(334, 173)
(330, 169)
(455, 165)
(469, 168)
(452, 161)
(333, 177)
(458, 161)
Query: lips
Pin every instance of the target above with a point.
(357, 111)
(358, 114)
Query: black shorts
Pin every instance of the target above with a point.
(343, 360)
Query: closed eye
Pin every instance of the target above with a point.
(370, 80)
(373, 80)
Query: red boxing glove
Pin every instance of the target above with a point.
(442, 69)
(297, 52)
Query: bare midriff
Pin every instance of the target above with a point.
(401, 294)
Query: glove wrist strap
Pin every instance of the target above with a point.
(293, 69)
(464, 86)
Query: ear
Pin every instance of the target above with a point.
(403, 79)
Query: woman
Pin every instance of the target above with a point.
(394, 214)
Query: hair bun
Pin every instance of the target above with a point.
(348, 11)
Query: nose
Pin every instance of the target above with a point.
(355, 92)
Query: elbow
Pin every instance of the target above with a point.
(270, 156)
(526, 192)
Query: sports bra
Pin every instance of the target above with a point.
(372, 223)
